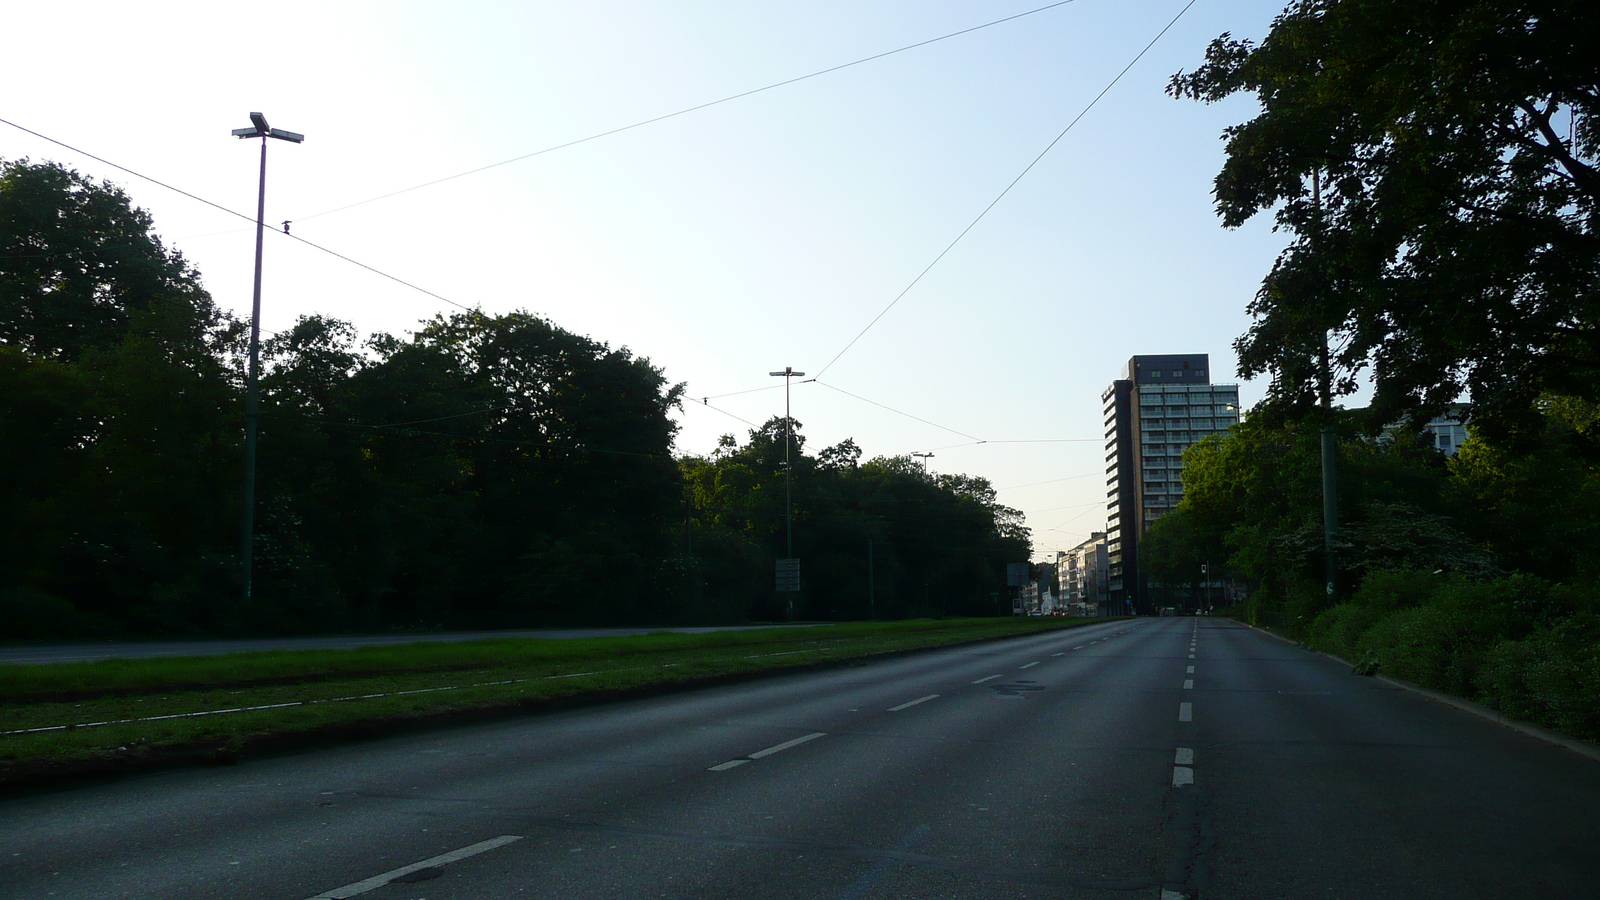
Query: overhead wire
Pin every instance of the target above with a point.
(686, 111)
(893, 410)
(246, 217)
(1051, 481)
(690, 405)
(973, 224)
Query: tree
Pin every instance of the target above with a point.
(1454, 244)
(118, 418)
(81, 269)
(939, 543)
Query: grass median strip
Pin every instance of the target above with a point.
(80, 716)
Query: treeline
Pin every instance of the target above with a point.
(485, 471)
(1474, 574)
(883, 538)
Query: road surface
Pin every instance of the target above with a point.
(1151, 759)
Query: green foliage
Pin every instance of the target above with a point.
(486, 471)
(1537, 503)
(115, 449)
(939, 543)
(1396, 589)
(1253, 505)
(1551, 677)
(1436, 164)
(1453, 245)
(1338, 629)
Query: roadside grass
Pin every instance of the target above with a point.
(323, 692)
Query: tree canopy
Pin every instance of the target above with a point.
(1454, 244)
(938, 543)
(482, 471)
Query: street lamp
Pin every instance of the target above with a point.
(924, 457)
(788, 375)
(252, 398)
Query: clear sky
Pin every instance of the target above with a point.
(722, 244)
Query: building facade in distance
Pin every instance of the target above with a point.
(1445, 430)
(1082, 571)
(1158, 408)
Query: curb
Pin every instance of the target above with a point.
(1582, 748)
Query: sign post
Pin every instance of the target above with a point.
(788, 580)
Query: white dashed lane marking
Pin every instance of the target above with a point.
(1182, 771)
(775, 748)
(779, 748)
(1029, 665)
(443, 859)
(1185, 712)
(1191, 670)
(986, 678)
(1188, 684)
(912, 703)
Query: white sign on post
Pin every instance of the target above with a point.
(788, 575)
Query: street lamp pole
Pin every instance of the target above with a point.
(1329, 437)
(788, 375)
(252, 397)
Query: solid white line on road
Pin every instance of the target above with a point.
(912, 703)
(1188, 684)
(1185, 756)
(1182, 775)
(1029, 665)
(443, 859)
(779, 748)
(987, 678)
(730, 764)
(1185, 712)
(1191, 670)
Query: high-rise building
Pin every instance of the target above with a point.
(1158, 408)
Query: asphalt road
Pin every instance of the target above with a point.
(1090, 763)
(92, 651)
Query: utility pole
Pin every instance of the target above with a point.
(788, 375)
(252, 396)
(1330, 445)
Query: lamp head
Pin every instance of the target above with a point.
(260, 122)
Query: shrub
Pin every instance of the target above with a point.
(1390, 590)
(1436, 646)
(1337, 630)
(1551, 677)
